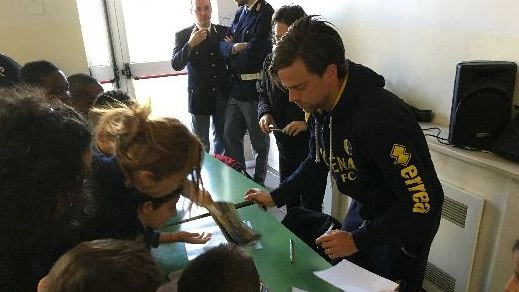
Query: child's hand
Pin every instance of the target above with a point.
(201, 197)
(195, 238)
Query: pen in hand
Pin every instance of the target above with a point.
(291, 248)
(271, 127)
(327, 232)
(329, 229)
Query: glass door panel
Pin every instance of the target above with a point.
(132, 41)
(167, 95)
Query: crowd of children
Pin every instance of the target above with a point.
(87, 177)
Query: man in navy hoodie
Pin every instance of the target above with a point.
(374, 149)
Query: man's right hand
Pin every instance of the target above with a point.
(260, 197)
(197, 37)
(265, 121)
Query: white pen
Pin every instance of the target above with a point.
(327, 232)
(271, 127)
(291, 248)
(329, 229)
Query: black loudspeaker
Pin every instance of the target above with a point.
(482, 103)
(507, 144)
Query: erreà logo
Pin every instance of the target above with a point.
(400, 154)
(412, 180)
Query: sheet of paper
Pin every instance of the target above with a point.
(217, 238)
(352, 278)
(295, 289)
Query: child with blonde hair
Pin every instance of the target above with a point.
(136, 189)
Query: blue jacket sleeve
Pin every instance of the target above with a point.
(224, 46)
(258, 46)
(256, 34)
(181, 50)
(151, 238)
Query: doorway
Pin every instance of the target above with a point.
(129, 45)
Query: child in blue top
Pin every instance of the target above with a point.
(135, 190)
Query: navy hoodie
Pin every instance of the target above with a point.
(379, 157)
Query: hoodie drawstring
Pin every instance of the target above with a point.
(317, 138)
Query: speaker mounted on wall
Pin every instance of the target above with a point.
(481, 103)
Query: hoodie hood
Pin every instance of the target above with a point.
(361, 79)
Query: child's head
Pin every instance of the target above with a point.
(113, 98)
(9, 71)
(154, 212)
(513, 283)
(103, 265)
(46, 145)
(44, 156)
(223, 268)
(84, 89)
(107, 100)
(156, 155)
(46, 75)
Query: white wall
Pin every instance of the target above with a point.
(416, 45)
(43, 29)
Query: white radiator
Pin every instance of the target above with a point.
(452, 252)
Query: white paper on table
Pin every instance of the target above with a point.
(217, 238)
(352, 278)
(295, 289)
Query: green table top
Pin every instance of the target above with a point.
(223, 183)
(273, 259)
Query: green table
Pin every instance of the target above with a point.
(273, 259)
(223, 183)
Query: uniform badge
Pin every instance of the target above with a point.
(347, 147)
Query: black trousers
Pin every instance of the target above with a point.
(291, 153)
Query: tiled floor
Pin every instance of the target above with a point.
(272, 178)
(271, 182)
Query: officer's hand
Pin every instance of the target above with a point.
(295, 127)
(229, 38)
(238, 47)
(197, 37)
(265, 121)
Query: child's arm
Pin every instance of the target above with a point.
(184, 236)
